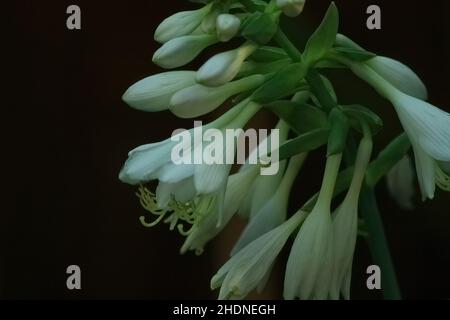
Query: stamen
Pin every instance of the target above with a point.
(176, 213)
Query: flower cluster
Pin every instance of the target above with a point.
(267, 71)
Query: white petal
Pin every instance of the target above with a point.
(143, 161)
(180, 51)
(154, 93)
(209, 178)
(429, 126)
(399, 75)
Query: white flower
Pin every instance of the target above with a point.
(227, 26)
(198, 99)
(400, 183)
(223, 67)
(237, 186)
(291, 8)
(182, 50)
(310, 266)
(274, 211)
(250, 266)
(154, 161)
(345, 225)
(180, 24)
(399, 75)
(154, 93)
(427, 127)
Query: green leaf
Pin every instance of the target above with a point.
(355, 54)
(259, 27)
(323, 38)
(300, 117)
(304, 143)
(358, 114)
(268, 54)
(250, 67)
(339, 125)
(283, 83)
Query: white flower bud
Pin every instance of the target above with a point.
(224, 66)
(291, 8)
(154, 93)
(180, 51)
(180, 24)
(227, 26)
(399, 75)
(198, 100)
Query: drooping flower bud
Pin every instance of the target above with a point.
(182, 50)
(224, 66)
(180, 24)
(227, 26)
(154, 93)
(291, 8)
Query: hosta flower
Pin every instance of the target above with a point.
(427, 126)
(310, 266)
(198, 99)
(345, 225)
(400, 183)
(291, 8)
(249, 267)
(180, 24)
(274, 211)
(223, 67)
(154, 93)
(227, 26)
(187, 192)
(182, 50)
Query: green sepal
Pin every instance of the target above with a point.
(355, 54)
(322, 40)
(304, 143)
(358, 114)
(259, 27)
(301, 118)
(268, 54)
(339, 126)
(283, 83)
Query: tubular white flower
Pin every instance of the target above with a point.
(345, 224)
(198, 100)
(227, 26)
(213, 223)
(180, 24)
(427, 126)
(153, 161)
(249, 267)
(223, 67)
(400, 183)
(291, 8)
(274, 211)
(309, 269)
(396, 73)
(182, 50)
(399, 75)
(154, 93)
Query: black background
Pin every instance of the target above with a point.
(70, 132)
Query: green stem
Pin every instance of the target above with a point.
(378, 244)
(377, 240)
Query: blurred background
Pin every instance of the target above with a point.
(71, 132)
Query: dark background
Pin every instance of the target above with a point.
(70, 132)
